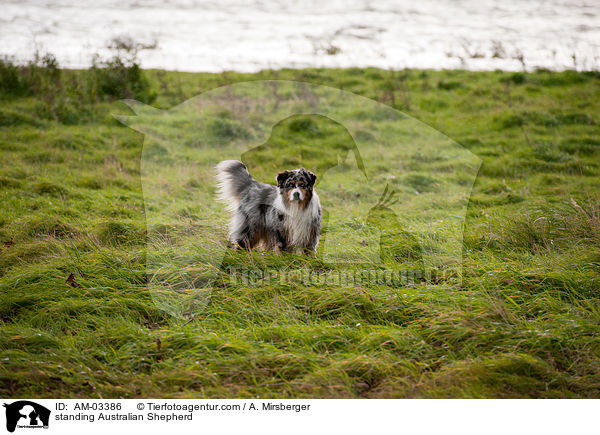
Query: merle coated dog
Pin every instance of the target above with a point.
(286, 217)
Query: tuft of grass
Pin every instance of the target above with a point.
(118, 233)
(223, 129)
(44, 225)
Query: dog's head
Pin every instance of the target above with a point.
(296, 186)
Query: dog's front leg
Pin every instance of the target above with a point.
(281, 242)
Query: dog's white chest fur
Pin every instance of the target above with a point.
(299, 221)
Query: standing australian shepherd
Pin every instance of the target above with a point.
(282, 218)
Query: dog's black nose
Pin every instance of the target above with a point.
(296, 195)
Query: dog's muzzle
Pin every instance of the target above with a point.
(296, 195)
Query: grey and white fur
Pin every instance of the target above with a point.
(286, 217)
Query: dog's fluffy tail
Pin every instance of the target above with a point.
(233, 179)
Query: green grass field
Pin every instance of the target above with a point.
(524, 320)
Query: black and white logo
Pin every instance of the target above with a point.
(25, 414)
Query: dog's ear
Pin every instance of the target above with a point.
(312, 177)
(282, 176)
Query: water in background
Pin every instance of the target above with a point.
(249, 35)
